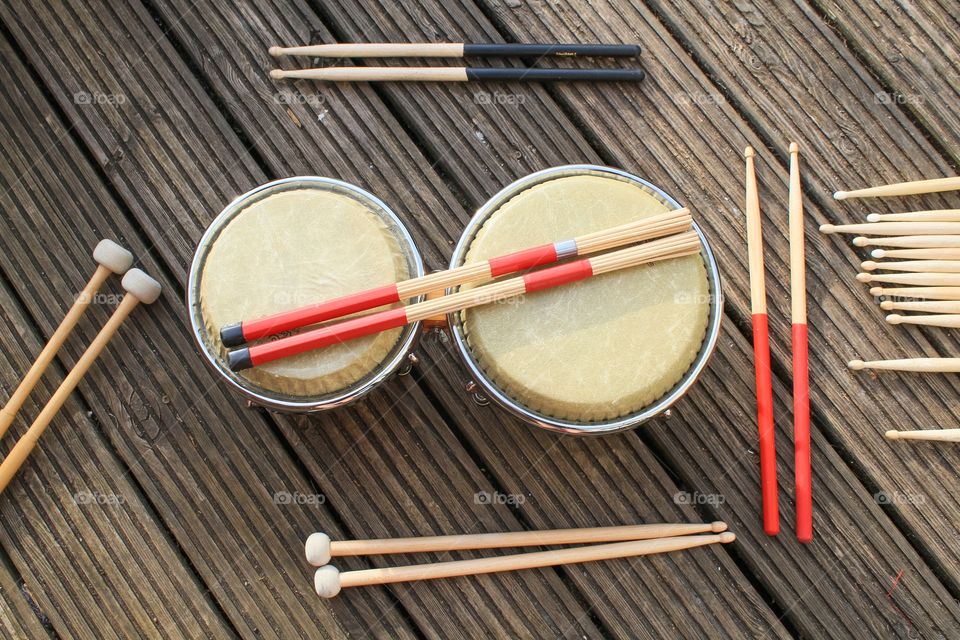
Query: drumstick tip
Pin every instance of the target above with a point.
(887, 305)
(856, 365)
(864, 277)
(839, 195)
(860, 241)
(278, 74)
(868, 265)
(876, 291)
(878, 253)
(749, 152)
(718, 527)
(873, 217)
(794, 148)
(826, 228)
(894, 318)
(275, 51)
(892, 435)
(727, 537)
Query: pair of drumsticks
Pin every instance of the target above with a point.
(140, 288)
(675, 238)
(455, 50)
(761, 345)
(624, 542)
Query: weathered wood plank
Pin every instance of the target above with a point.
(17, 618)
(176, 430)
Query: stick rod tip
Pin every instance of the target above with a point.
(873, 217)
(864, 277)
(868, 265)
(878, 253)
(718, 527)
(727, 537)
(826, 228)
(876, 291)
(892, 435)
(749, 152)
(277, 74)
(860, 241)
(275, 51)
(887, 305)
(794, 147)
(856, 365)
(894, 318)
(839, 195)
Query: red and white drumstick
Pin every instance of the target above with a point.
(656, 226)
(801, 389)
(761, 352)
(682, 244)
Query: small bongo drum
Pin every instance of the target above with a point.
(286, 244)
(603, 354)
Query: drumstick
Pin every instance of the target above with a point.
(924, 266)
(921, 279)
(895, 228)
(801, 389)
(929, 435)
(917, 365)
(454, 50)
(455, 74)
(932, 320)
(936, 215)
(140, 288)
(110, 258)
(903, 188)
(923, 293)
(761, 352)
(918, 254)
(663, 224)
(328, 581)
(319, 549)
(909, 242)
(927, 306)
(672, 247)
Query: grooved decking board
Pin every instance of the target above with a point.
(17, 618)
(209, 469)
(913, 48)
(433, 109)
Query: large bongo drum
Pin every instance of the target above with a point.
(603, 354)
(286, 244)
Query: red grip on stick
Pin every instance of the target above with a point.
(768, 455)
(520, 260)
(312, 314)
(326, 336)
(801, 434)
(556, 276)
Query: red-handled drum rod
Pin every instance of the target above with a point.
(801, 389)
(761, 352)
(656, 226)
(675, 246)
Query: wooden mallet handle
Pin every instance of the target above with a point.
(140, 288)
(320, 548)
(111, 258)
(328, 581)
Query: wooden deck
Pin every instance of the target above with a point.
(155, 505)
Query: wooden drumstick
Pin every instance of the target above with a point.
(456, 74)
(801, 388)
(903, 188)
(111, 258)
(920, 279)
(948, 321)
(925, 306)
(328, 581)
(761, 351)
(921, 266)
(935, 215)
(664, 224)
(319, 548)
(140, 288)
(935, 253)
(917, 365)
(927, 435)
(909, 242)
(682, 244)
(922, 293)
(454, 50)
(895, 228)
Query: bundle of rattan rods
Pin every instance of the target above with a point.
(675, 239)
(621, 542)
(455, 50)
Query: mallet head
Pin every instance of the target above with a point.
(141, 286)
(112, 256)
(317, 549)
(326, 581)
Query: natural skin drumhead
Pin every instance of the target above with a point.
(600, 348)
(294, 248)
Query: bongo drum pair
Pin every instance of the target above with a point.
(600, 355)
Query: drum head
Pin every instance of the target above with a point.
(292, 243)
(600, 349)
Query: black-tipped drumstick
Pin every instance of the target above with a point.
(455, 50)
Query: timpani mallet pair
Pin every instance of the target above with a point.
(140, 288)
(626, 541)
(761, 345)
